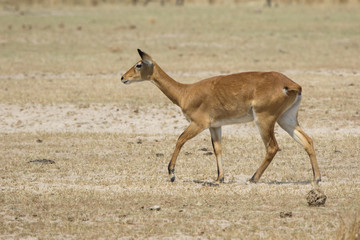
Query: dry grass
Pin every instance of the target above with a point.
(102, 185)
(61, 99)
(350, 227)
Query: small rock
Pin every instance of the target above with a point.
(39, 141)
(316, 198)
(285, 214)
(159, 154)
(208, 153)
(139, 141)
(155, 208)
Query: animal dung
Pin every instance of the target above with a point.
(43, 161)
(316, 197)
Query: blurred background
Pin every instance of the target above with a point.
(80, 40)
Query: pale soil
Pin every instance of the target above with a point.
(115, 118)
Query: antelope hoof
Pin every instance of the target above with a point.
(220, 180)
(316, 182)
(252, 179)
(172, 179)
(172, 173)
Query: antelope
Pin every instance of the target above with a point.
(264, 97)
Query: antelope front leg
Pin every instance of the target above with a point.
(191, 131)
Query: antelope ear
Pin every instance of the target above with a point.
(144, 56)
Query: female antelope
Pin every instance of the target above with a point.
(263, 97)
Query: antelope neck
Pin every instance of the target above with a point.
(171, 88)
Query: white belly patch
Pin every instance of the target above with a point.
(233, 120)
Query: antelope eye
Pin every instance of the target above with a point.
(138, 65)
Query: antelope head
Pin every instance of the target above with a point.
(141, 71)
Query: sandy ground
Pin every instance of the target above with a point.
(90, 118)
(115, 118)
